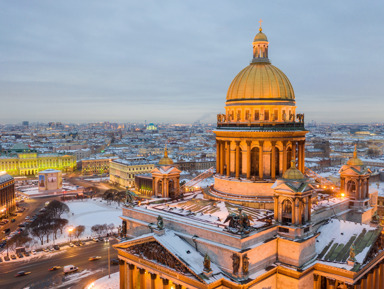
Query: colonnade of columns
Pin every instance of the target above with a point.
(229, 161)
(299, 211)
(361, 188)
(167, 185)
(133, 277)
(373, 280)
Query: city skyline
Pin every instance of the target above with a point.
(127, 62)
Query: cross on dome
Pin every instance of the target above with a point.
(260, 29)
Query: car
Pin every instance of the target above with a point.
(77, 244)
(6, 258)
(27, 217)
(71, 245)
(106, 240)
(94, 258)
(13, 220)
(54, 268)
(45, 250)
(101, 239)
(69, 269)
(27, 254)
(7, 231)
(20, 255)
(13, 257)
(21, 225)
(22, 273)
(33, 252)
(1, 259)
(115, 262)
(51, 250)
(95, 239)
(56, 247)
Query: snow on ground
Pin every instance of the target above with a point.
(106, 282)
(97, 180)
(75, 277)
(90, 212)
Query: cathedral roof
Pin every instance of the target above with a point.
(293, 173)
(165, 161)
(260, 80)
(355, 161)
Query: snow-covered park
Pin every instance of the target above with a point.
(91, 212)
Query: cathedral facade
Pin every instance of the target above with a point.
(262, 225)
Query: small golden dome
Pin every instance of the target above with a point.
(293, 173)
(260, 81)
(260, 37)
(355, 161)
(165, 161)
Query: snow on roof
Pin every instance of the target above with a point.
(336, 238)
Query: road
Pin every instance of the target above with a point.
(32, 206)
(41, 277)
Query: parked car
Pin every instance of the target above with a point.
(7, 231)
(13, 220)
(1, 259)
(22, 273)
(21, 225)
(95, 239)
(20, 255)
(115, 262)
(33, 252)
(71, 245)
(56, 247)
(6, 258)
(101, 239)
(13, 257)
(27, 254)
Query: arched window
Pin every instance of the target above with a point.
(287, 212)
(351, 188)
(255, 152)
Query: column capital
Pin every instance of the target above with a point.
(131, 266)
(316, 277)
(332, 282)
(141, 270)
(249, 142)
(121, 262)
(237, 142)
(165, 281)
(153, 276)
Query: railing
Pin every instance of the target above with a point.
(261, 126)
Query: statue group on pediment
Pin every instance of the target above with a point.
(239, 223)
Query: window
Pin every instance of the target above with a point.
(257, 115)
(276, 115)
(266, 115)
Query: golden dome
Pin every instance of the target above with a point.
(260, 37)
(293, 173)
(260, 81)
(355, 161)
(165, 161)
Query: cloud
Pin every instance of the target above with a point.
(174, 60)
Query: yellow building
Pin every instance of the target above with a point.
(122, 172)
(97, 166)
(29, 164)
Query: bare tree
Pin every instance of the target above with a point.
(79, 230)
(56, 208)
(39, 233)
(111, 227)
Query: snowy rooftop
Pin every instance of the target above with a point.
(210, 211)
(336, 238)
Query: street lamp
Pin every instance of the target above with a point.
(70, 230)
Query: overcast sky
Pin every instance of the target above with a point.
(173, 61)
